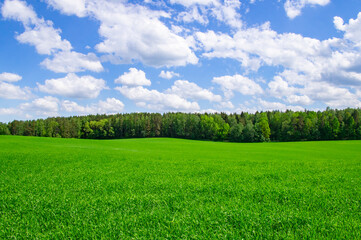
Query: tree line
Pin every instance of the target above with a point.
(244, 127)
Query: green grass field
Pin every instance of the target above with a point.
(178, 189)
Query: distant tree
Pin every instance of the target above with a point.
(236, 133)
(262, 128)
(52, 128)
(209, 127)
(249, 133)
(222, 127)
(87, 132)
(245, 127)
(4, 130)
(192, 127)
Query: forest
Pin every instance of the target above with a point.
(330, 124)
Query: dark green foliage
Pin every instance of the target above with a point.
(4, 130)
(259, 127)
(235, 134)
(249, 133)
(158, 188)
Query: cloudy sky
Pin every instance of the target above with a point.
(77, 57)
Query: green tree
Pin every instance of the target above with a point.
(249, 133)
(263, 128)
(235, 134)
(4, 130)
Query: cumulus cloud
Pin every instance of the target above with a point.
(133, 32)
(10, 91)
(258, 46)
(9, 77)
(19, 11)
(70, 62)
(224, 105)
(199, 10)
(293, 8)
(134, 77)
(74, 86)
(299, 100)
(109, 106)
(352, 29)
(193, 15)
(307, 62)
(271, 106)
(46, 39)
(39, 33)
(168, 74)
(69, 7)
(188, 3)
(229, 13)
(46, 106)
(189, 90)
(237, 83)
(156, 100)
(331, 95)
(280, 88)
(10, 111)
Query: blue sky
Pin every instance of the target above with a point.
(66, 57)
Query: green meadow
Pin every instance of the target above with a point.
(160, 188)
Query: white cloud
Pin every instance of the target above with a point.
(133, 32)
(279, 88)
(69, 7)
(38, 32)
(46, 106)
(332, 63)
(134, 77)
(293, 8)
(293, 77)
(9, 77)
(331, 95)
(44, 38)
(168, 74)
(73, 107)
(155, 100)
(10, 111)
(299, 100)
(229, 13)
(189, 90)
(352, 29)
(258, 46)
(70, 62)
(192, 15)
(358, 93)
(270, 106)
(19, 11)
(74, 86)
(198, 10)
(188, 3)
(238, 83)
(224, 105)
(10, 91)
(109, 106)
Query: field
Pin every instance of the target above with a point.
(178, 189)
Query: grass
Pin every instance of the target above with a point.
(178, 189)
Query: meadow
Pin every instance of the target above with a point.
(161, 188)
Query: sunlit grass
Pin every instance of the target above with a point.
(171, 188)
